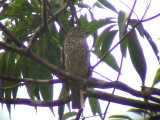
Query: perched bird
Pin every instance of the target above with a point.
(77, 63)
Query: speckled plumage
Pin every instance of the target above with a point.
(76, 55)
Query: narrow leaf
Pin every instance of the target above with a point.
(122, 19)
(138, 111)
(156, 78)
(108, 5)
(95, 25)
(144, 33)
(139, 27)
(105, 39)
(137, 56)
(102, 46)
(68, 115)
(63, 94)
(121, 116)
(95, 106)
(97, 4)
(111, 61)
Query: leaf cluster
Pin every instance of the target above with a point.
(38, 28)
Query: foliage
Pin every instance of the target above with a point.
(144, 114)
(33, 33)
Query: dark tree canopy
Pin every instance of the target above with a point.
(31, 55)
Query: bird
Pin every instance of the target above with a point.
(77, 63)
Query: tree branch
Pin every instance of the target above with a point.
(91, 93)
(96, 83)
(29, 80)
(64, 74)
(122, 100)
(13, 86)
(40, 103)
(11, 36)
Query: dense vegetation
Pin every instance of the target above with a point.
(32, 37)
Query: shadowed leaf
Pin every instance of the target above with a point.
(137, 56)
(108, 5)
(68, 115)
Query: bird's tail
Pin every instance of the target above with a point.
(77, 96)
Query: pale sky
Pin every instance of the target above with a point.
(129, 76)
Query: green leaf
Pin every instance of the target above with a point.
(123, 46)
(63, 94)
(40, 72)
(139, 27)
(156, 78)
(111, 61)
(50, 47)
(98, 4)
(105, 40)
(122, 19)
(68, 115)
(138, 111)
(154, 117)
(19, 1)
(10, 70)
(95, 25)
(53, 52)
(144, 33)
(46, 91)
(32, 72)
(153, 45)
(137, 56)
(120, 117)
(83, 5)
(61, 111)
(83, 20)
(95, 106)
(3, 64)
(103, 44)
(17, 73)
(108, 5)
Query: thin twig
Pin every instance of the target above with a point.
(58, 21)
(129, 17)
(19, 14)
(119, 73)
(129, 7)
(79, 114)
(11, 36)
(146, 10)
(13, 86)
(102, 76)
(151, 18)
